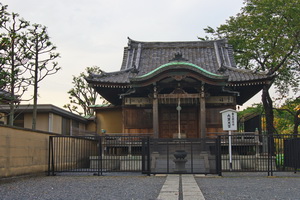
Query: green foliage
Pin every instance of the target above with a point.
(82, 96)
(249, 112)
(13, 53)
(42, 52)
(26, 53)
(265, 36)
(287, 117)
(13, 57)
(254, 109)
(3, 78)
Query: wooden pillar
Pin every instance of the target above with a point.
(202, 113)
(155, 113)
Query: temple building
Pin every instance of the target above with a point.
(173, 89)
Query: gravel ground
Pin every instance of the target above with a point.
(110, 187)
(236, 186)
(132, 186)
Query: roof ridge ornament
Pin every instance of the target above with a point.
(178, 57)
(134, 69)
(129, 43)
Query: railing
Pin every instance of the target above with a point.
(115, 153)
(260, 153)
(96, 154)
(129, 134)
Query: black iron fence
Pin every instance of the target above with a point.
(98, 154)
(194, 156)
(260, 153)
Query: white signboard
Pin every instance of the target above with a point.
(229, 120)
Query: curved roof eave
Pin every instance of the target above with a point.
(168, 66)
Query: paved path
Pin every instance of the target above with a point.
(177, 187)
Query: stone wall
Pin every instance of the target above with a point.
(23, 151)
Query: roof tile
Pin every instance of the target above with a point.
(152, 55)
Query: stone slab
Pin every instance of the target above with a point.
(170, 189)
(190, 188)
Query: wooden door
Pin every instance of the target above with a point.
(168, 121)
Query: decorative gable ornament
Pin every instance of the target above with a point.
(178, 57)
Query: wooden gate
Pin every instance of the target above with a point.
(168, 117)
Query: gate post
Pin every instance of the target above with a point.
(143, 155)
(270, 154)
(146, 156)
(218, 155)
(99, 157)
(50, 156)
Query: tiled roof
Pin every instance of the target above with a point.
(112, 77)
(141, 58)
(44, 108)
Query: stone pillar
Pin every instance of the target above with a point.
(155, 113)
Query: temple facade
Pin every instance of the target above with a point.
(173, 89)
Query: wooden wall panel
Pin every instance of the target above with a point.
(138, 118)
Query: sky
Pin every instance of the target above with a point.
(94, 32)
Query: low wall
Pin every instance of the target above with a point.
(23, 151)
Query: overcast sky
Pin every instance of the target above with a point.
(94, 32)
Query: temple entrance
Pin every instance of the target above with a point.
(168, 121)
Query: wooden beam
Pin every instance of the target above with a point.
(202, 113)
(176, 96)
(155, 114)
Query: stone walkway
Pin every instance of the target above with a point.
(178, 187)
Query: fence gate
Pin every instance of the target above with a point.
(179, 156)
(97, 154)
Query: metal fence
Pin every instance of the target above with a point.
(260, 153)
(180, 156)
(96, 154)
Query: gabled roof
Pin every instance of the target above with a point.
(210, 62)
(141, 58)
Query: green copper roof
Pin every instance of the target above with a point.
(180, 63)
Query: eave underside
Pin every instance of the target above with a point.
(243, 91)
